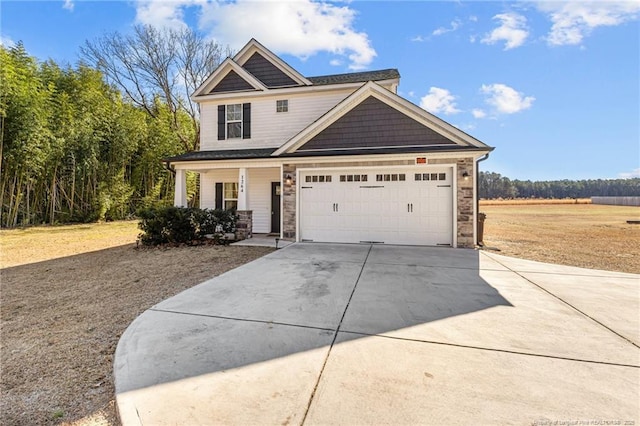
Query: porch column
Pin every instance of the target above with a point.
(243, 187)
(180, 197)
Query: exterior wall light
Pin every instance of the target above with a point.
(465, 175)
(288, 178)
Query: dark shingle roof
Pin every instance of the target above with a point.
(355, 77)
(243, 154)
(380, 151)
(226, 154)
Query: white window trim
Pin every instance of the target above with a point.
(227, 122)
(224, 195)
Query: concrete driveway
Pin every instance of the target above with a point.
(361, 334)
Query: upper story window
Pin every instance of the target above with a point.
(282, 105)
(234, 121)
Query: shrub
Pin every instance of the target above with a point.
(186, 225)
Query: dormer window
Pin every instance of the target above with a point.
(234, 121)
(282, 105)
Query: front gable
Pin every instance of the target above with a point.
(373, 117)
(374, 124)
(268, 66)
(229, 77)
(265, 71)
(232, 82)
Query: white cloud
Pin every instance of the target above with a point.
(506, 100)
(68, 4)
(512, 30)
(163, 14)
(473, 18)
(418, 38)
(439, 101)
(635, 173)
(572, 20)
(335, 62)
(478, 113)
(455, 24)
(6, 41)
(300, 28)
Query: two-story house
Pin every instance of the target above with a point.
(335, 158)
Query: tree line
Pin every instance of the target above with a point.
(493, 185)
(86, 143)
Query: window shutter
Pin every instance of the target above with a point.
(219, 195)
(246, 121)
(221, 122)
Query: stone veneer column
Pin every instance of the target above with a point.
(289, 202)
(464, 199)
(244, 225)
(466, 205)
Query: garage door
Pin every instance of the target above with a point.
(394, 206)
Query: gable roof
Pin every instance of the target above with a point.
(224, 69)
(247, 52)
(257, 68)
(267, 72)
(414, 125)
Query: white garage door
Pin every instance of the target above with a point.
(394, 206)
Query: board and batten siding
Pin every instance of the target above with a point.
(259, 200)
(269, 129)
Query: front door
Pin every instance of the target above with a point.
(275, 207)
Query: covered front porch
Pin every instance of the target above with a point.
(252, 191)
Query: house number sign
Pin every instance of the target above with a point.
(241, 183)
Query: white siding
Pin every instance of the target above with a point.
(260, 197)
(259, 202)
(208, 185)
(268, 128)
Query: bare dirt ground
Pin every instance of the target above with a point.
(584, 235)
(67, 294)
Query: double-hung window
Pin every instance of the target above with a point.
(230, 195)
(234, 121)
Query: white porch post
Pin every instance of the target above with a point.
(243, 187)
(180, 197)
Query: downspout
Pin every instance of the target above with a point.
(480, 243)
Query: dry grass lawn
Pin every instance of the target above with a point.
(584, 235)
(67, 294)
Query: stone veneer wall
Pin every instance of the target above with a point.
(464, 193)
(464, 198)
(244, 225)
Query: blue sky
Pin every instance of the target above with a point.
(553, 86)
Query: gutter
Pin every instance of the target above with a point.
(168, 166)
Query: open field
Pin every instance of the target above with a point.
(530, 201)
(585, 235)
(67, 294)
